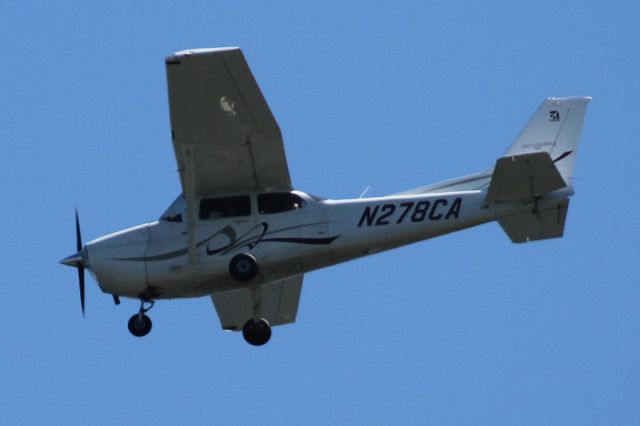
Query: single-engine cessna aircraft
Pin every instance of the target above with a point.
(242, 235)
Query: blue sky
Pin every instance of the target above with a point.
(464, 329)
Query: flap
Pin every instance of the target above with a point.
(279, 303)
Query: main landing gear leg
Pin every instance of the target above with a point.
(140, 324)
(256, 330)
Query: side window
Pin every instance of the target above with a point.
(214, 208)
(277, 202)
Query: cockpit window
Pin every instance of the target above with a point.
(277, 202)
(214, 208)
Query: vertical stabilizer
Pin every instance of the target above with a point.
(554, 128)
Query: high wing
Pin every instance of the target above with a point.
(225, 138)
(278, 303)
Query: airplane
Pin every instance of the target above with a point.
(241, 234)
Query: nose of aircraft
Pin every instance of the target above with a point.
(118, 261)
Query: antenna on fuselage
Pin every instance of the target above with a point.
(365, 191)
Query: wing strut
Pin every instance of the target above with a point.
(256, 301)
(191, 203)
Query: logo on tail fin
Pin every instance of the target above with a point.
(554, 115)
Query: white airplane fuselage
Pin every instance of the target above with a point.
(250, 250)
(152, 258)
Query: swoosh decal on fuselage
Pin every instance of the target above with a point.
(237, 242)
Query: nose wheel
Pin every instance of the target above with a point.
(140, 324)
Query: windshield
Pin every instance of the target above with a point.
(176, 211)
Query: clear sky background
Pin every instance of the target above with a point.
(464, 329)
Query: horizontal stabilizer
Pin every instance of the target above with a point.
(524, 177)
(530, 226)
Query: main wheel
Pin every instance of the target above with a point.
(243, 267)
(140, 326)
(256, 333)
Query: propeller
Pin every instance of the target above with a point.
(77, 260)
(81, 263)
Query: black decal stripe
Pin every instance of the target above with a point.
(253, 241)
(235, 242)
(564, 155)
(182, 252)
(314, 241)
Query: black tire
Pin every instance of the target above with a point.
(140, 327)
(243, 267)
(256, 333)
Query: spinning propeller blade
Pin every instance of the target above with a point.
(80, 264)
(78, 235)
(81, 281)
(77, 261)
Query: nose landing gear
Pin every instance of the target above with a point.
(140, 324)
